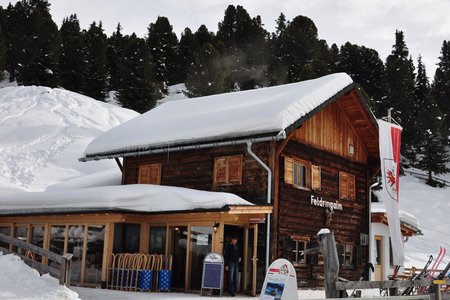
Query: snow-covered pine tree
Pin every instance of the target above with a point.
(207, 75)
(72, 61)
(115, 48)
(399, 83)
(441, 83)
(136, 90)
(96, 72)
(38, 45)
(204, 36)
(163, 43)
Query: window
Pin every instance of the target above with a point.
(300, 245)
(228, 170)
(157, 241)
(346, 186)
(150, 174)
(347, 254)
(297, 172)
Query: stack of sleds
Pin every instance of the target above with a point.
(139, 272)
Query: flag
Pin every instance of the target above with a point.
(390, 141)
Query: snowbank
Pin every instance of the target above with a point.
(262, 111)
(43, 131)
(133, 197)
(103, 178)
(19, 281)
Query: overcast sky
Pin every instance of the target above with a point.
(371, 23)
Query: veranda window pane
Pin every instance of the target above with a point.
(75, 246)
(94, 253)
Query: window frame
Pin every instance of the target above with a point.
(347, 259)
(299, 259)
(227, 160)
(297, 165)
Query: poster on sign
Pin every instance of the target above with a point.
(280, 282)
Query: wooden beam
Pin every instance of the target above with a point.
(327, 246)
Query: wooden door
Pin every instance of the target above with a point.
(379, 258)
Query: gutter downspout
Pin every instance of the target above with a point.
(269, 194)
(371, 240)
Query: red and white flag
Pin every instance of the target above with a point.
(390, 142)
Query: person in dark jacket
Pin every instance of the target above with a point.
(232, 258)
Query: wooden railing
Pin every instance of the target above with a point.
(64, 261)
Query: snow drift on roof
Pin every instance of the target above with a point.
(240, 114)
(138, 197)
(404, 216)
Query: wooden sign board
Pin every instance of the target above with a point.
(280, 282)
(212, 278)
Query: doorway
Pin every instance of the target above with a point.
(248, 243)
(379, 271)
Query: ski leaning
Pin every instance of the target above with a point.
(418, 276)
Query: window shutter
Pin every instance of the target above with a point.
(220, 170)
(343, 185)
(351, 187)
(235, 169)
(150, 174)
(316, 178)
(288, 170)
(143, 173)
(154, 174)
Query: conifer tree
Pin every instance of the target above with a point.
(399, 82)
(188, 46)
(207, 76)
(136, 89)
(441, 84)
(366, 68)
(297, 43)
(245, 52)
(96, 72)
(72, 64)
(164, 46)
(203, 36)
(116, 44)
(39, 45)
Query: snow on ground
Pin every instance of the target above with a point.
(175, 93)
(44, 131)
(98, 294)
(19, 281)
(431, 206)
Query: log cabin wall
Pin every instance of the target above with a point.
(331, 130)
(195, 169)
(299, 218)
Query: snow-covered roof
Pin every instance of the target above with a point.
(102, 178)
(137, 197)
(265, 111)
(407, 218)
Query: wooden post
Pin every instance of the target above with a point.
(327, 246)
